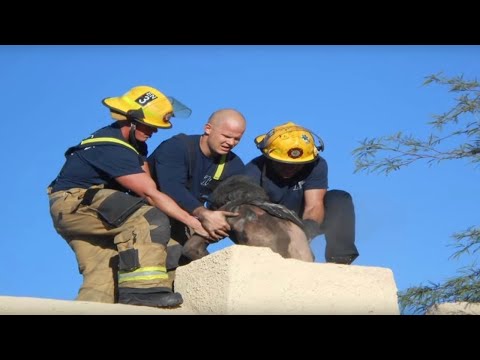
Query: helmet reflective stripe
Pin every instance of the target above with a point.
(108, 140)
(143, 273)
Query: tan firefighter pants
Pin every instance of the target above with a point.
(131, 255)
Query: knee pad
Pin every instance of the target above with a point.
(161, 233)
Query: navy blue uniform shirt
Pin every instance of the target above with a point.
(100, 164)
(289, 192)
(169, 165)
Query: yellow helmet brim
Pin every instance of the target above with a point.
(259, 139)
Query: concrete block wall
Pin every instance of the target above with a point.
(249, 280)
(254, 280)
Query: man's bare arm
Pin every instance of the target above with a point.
(314, 206)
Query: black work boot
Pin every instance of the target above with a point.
(154, 297)
(345, 260)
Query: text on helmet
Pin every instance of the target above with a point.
(145, 98)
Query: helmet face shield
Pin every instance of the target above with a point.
(289, 143)
(146, 105)
(180, 110)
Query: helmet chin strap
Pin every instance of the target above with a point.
(132, 138)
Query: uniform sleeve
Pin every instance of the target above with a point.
(169, 166)
(318, 178)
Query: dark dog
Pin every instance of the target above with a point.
(259, 223)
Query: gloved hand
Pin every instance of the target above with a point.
(311, 228)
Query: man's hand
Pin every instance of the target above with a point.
(214, 222)
(197, 228)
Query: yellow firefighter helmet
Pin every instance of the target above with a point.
(147, 105)
(289, 143)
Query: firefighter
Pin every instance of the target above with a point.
(189, 167)
(105, 204)
(293, 174)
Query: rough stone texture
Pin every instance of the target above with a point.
(254, 280)
(249, 280)
(10, 305)
(459, 308)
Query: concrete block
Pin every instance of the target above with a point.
(254, 280)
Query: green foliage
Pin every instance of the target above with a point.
(467, 242)
(390, 153)
(464, 287)
(461, 141)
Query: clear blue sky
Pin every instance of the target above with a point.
(51, 99)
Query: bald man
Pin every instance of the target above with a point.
(189, 167)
